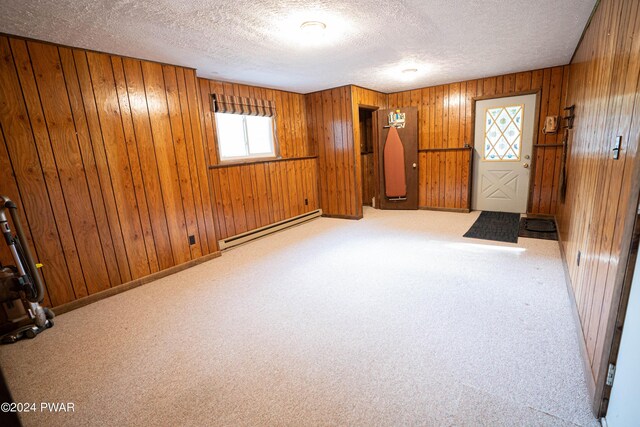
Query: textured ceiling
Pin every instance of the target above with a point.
(366, 42)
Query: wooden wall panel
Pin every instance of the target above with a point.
(99, 163)
(106, 161)
(147, 164)
(25, 135)
(252, 195)
(446, 116)
(178, 131)
(330, 129)
(596, 220)
(66, 150)
(334, 127)
(136, 173)
(161, 130)
(198, 158)
(115, 152)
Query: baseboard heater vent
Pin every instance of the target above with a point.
(241, 238)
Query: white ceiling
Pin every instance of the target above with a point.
(366, 42)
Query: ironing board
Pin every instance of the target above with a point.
(395, 182)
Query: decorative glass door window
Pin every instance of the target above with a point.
(503, 133)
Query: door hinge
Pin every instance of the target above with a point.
(611, 373)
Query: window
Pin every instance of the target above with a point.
(503, 133)
(243, 136)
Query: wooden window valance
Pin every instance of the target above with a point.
(243, 105)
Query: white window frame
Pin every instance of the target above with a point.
(249, 156)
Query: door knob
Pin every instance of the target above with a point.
(525, 165)
(414, 165)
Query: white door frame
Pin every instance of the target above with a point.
(626, 389)
(600, 391)
(536, 120)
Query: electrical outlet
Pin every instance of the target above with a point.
(192, 240)
(306, 202)
(578, 258)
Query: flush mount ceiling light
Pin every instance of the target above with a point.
(409, 70)
(408, 74)
(313, 27)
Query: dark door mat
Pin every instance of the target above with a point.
(498, 226)
(537, 228)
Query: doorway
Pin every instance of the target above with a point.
(366, 155)
(504, 133)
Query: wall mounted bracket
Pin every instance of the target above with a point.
(570, 116)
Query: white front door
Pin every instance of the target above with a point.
(503, 141)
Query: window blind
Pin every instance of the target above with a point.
(242, 105)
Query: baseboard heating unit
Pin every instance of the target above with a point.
(247, 236)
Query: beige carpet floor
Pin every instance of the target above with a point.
(395, 319)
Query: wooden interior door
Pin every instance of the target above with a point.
(409, 137)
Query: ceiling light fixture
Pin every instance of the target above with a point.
(313, 27)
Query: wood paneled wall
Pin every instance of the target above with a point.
(334, 128)
(104, 156)
(445, 114)
(331, 130)
(253, 195)
(291, 120)
(597, 218)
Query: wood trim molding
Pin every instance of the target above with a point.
(505, 95)
(547, 145)
(456, 210)
(368, 107)
(430, 150)
(65, 308)
(356, 217)
(255, 162)
(542, 216)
